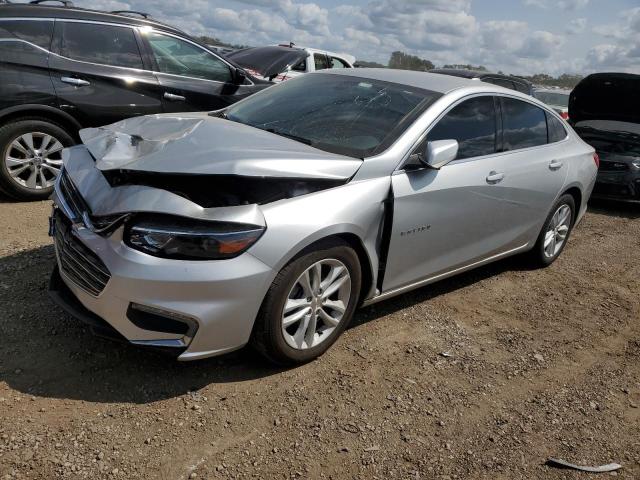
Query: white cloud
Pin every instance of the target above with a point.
(577, 25)
(443, 31)
(568, 5)
(622, 50)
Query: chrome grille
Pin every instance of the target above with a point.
(76, 261)
(72, 197)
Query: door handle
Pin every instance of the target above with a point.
(174, 98)
(78, 82)
(495, 177)
(555, 165)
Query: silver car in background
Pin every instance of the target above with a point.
(270, 222)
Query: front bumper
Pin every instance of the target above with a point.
(619, 186)
(219, 298)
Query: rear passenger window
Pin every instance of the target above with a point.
(39, 33)
(337, 63)
(104, 44)
(557, 131)
(473, 124)
(524, 124)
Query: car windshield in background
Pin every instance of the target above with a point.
(552, 98)
(337, 113)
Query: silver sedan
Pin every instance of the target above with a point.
(271, 221)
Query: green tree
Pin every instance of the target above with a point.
(403, 61)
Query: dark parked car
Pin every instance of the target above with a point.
(604, 110)
(506, 81)
(65, 68)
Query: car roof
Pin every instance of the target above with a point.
(426, 80)
(461, 72)
(74, 13)
(553, 90)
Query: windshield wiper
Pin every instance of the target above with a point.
(306, 141)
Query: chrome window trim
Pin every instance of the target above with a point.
(422, 136)
(140, 30)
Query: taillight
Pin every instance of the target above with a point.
(596, 159)
(565, 115)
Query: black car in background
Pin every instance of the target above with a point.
(506, 81)
(604, 109)
(65, 68)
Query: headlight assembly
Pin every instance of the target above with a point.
(187, 239)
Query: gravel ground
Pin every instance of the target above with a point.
(482, 376)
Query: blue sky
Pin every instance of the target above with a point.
(515, 36)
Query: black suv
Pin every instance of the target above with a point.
(506, 81)
(65, 68)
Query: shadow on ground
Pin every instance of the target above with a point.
(615, 209)
(45, 352)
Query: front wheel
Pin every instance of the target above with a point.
(31, 157)
(309, 304)
(555, 232)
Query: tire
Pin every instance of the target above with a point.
(269, 336)
(541, 255)
(41, 130)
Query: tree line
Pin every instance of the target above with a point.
(405, 61)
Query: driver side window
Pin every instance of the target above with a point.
(473, 124)
(178, 57)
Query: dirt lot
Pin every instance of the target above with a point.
(481, 376)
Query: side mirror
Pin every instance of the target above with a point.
(439, 152)
(239, 77)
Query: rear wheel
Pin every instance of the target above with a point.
(309, 304)
(31, 156)
(555, 232)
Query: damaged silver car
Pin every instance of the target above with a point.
(271, 221)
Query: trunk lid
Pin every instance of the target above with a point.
(268, 61)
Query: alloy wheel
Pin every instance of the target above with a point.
(316, 304)
(557, 231)
(34, 160)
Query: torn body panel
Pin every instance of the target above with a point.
(204, 145)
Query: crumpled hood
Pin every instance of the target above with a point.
(606, 96)
(196, 143)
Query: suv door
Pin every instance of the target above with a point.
(98, 73)
(24, 73)
(192, 78)
(449, 218)
(535, 165)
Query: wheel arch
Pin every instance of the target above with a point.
(70, 124)
(365, 250)
(576, 193)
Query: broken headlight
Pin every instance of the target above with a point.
(186, 239)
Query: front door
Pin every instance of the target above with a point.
(98, 73)
(449, 218)
(192, 78)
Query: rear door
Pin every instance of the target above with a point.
(24, 55)
(449, 218)
(98, 73)
(535, 165)
(192, 78)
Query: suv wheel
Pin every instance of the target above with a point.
(309, 304)
(31, 157)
